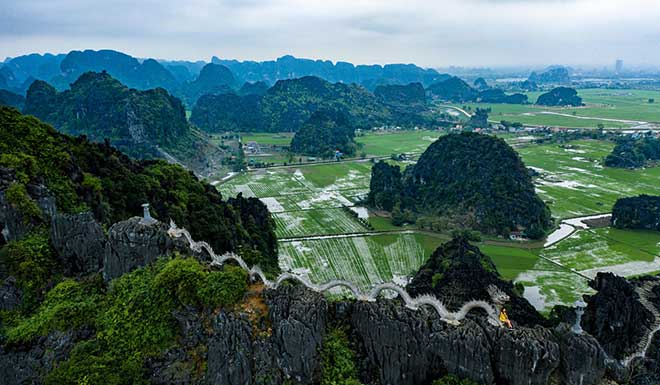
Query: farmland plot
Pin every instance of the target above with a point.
(623, 252)
(308, 201)
(365, 260)
(574, 182)
(315, 222)
(264, 183)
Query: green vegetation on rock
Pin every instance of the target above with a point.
(33, 263)
(478, 180)
(385, 186)
(70, 304)
(90, 176)
(632, 152)
(338, 360)
(135, 319)
(560, 96)
(100, 107)
(287, 105)
(453, 380)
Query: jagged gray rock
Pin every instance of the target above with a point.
(231, 351)
(132, 244)
(10, 295)
(239, 355)
(298, 317)
(407, 347)
(525, 356)
(79, 241)
(181, 364)
(396, 346)
(27, 366)
(13, 224)
(615, 315)
(583, 361)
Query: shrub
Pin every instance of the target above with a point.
(137, 320)
(338, 360)
(453, 380)
(17, 196)
(31, 261)
(223, 288)
(70, 304)
(180, 279)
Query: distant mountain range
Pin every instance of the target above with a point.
(369, 76)
(182, 78)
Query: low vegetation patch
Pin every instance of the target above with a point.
(32, 262)
(133, 318)
(338, 360)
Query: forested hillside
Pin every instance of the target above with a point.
(560, 96)
(324, 133)
(634, 152)
(287, 105)
(456, 90)
(100, 107)
(471, 181)
(641, 212)
(94, 176)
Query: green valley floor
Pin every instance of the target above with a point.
(320, 233)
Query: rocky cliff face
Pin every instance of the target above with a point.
(394, 345)
(458, 272)
(28, 365)
(615, 315)
(132, 244)
(13, 223)
(79, 241)
(241, 353)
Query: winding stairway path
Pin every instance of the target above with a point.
(645, 293)
(492, 309)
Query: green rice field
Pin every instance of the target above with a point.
(623, 252)
(613, 108)
(319, 237)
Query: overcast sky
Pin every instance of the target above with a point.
(426, 32)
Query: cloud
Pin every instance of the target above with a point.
(449, 32)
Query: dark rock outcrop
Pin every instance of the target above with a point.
(525, 356)
(132, 244)
(401, 346)
(640, 213)
(583, 361)
(557, 75)
(458, 272)
(615, 316)
(79, 241)
(645, 372)
(13, 224)
(560, 96)
(10, 295)
(476, 181)
(182, 364)
(238, 354)
(27, 366)
(231, 351)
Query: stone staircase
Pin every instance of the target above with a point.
(645, 292)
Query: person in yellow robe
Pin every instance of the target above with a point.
(504, 318)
